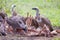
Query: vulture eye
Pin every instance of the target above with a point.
(20, 22)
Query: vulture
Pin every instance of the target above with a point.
(16, 21)
(2, 24)
(42, 20)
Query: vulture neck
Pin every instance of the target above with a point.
(13, 12)
(37, 13)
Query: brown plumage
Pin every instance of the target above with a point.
(58, 30)
(30, 21)
(42, 20)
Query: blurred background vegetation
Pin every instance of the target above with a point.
(48, 8)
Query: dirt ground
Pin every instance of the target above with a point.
(18, 37)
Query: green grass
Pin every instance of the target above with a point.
(56, 39)
(48, 8)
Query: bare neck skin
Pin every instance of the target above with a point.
(13, 12)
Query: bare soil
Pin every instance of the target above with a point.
(18, 37)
